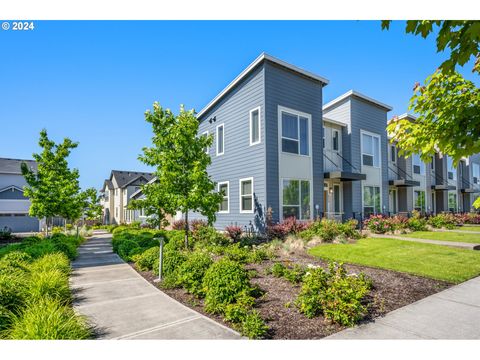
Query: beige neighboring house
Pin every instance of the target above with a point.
(116, 193)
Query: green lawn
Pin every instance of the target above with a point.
(468, 228)
(433, 261)
(445, 236)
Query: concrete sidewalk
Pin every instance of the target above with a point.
(450, 314)
(121, 304)
(454, 244)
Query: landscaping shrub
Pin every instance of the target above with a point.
(15, 260)
(286, 227)
(257, 255)
(6, 317)
(209, 236)
(444, 220)
(49, 284)
(234, 232)
(333, 293)
(13, 291)
(146, 260)
(191, 272)
(379, 224)
(196, 224)
(254, 326)
(222, 282)
(293, 274)
(416, 223)
(178, 224)
(172, 260)
(127, 249)
(48, 319)
(55, 261)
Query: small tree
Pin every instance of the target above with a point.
(179, 157)
(155, 204)
(93, 209)
(48, 187)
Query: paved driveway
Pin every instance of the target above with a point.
(450, 314)
(123, 305)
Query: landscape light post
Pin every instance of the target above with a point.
(160, 262)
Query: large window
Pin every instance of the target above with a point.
(418, 165)
(295, 134)
(255, 126)
(246, 195)
(370, 150)
(452, 170)
(296, 199)
(419, 200)
(452, 201)
(371, 200)
(393, 153)
(220, 139)
(476, 173)
(335, 140)
(336, 199)
(223, 188)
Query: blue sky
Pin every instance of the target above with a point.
(92, 81)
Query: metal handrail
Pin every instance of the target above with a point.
(348, 162)
(396, 172)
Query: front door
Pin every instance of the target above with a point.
(392, 201)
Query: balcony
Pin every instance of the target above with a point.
(333, 167)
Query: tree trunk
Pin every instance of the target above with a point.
(187, 228)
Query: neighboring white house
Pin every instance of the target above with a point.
(14, 205)
(116, 193)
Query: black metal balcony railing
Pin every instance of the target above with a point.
(406, 176)
(354, 169)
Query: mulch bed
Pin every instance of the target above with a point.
(391, 290)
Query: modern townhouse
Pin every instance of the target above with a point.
(14, 206)
(116, 195)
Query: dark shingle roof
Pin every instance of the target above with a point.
(124, 178)
(13, 166)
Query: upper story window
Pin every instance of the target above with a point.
(324, 130)
(476, 173)
(295, 133)
(205, 134)
(335, 140)
(452, 171)
(393, 154)
(418, 165)
(220, 139)
(223, 188)
(246, 195)
(370, 150)
(255, 126)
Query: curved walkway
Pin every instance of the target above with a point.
(459, 245)
(121, 304)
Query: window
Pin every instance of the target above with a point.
(246, 195)
(371, 150)
(419, 200)
(296, 199)
(476, 173)
(418, 165)
(223, 188)
(220, 139)
(452, 201)
(371, 200)
(255, 126)
(205, 134)
(393, 153)
(295, 134)
(335, 140)
(452, 171)
(336, 198)
(324, 137)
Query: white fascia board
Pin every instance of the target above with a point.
(359, 95)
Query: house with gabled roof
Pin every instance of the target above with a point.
(116, 192)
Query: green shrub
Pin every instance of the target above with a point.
(257, 256)
(48, 319)
(236, 253)
(146, 260)
(175, 240)
(207, 235)
(253, 326)
(16, 260)
(328, 230)
(172, 260)
(222, 282)
(417, 224)
(333, 293)
(444, 220)
(69, 249)
(41, 248)
(55, 261)
(277, 269)
(13, 291)
(52, 284)
(6, 317)
(128, 248)
(192, 271)
(295, 274)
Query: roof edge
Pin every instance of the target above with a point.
(262, 57)
(359, 95)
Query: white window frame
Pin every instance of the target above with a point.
(424, 208)
(336, 131)
(205, 133)
(394, 152)
(363, 198)
(368, 133)
(259, 126)
(223, 140)
(228, 196)
(282, 109)
(300, 205)
(240, 195)
(422, 165)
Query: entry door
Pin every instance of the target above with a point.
(433, 202)
(392, 201)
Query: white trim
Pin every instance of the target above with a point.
(208, 147)
(228, 196)
(280, 185)
(407, 116)
(10, 187)
(362, 132)
(259, 126)
(299, 114)
(2, 200)
(263, 56)
(223, 139)
(359, 95)
(240, 196)
(335, 122)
